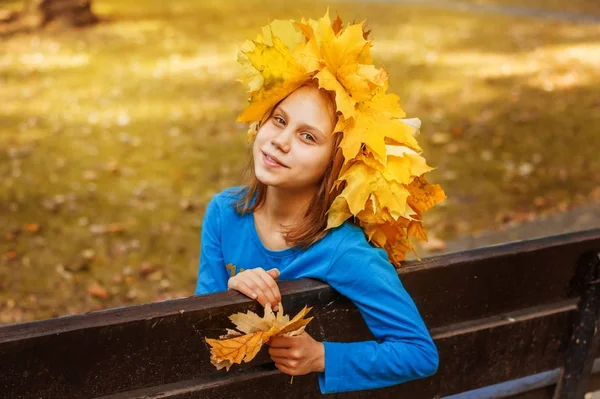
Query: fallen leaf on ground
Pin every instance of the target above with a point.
(114, 229)
(254, 331)
(32, 227)
(434, 245)
(90, 175)
(146, 269)
(97, 291)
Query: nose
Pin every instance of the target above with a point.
(283, 140)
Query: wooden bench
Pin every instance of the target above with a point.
(517, 320)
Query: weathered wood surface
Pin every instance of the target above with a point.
(496, 314)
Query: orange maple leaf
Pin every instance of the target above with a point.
(235, 347)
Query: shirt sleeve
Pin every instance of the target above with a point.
(403, 349)
(212, 275)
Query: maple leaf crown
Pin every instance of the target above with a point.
(381, 180)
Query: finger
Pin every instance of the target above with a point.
(274, 273)
(273, 287)
(254, 281)
(284, 369)
(265, 282)
(279, 352)
(241, 286)
(280, 360)
(232, 282)
(270, 281)
(281, 342)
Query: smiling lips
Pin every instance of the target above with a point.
(270, 160)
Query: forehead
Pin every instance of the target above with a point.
(309, 105)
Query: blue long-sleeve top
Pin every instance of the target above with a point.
(345, 260)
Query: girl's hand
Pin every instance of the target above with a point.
(297, 355)
(258, 284)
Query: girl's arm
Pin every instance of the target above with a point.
(212, 274)
(404, 349)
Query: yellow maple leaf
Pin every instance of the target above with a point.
(270, 70)
(344, 53)
(362, 182)
(349, 44)
(235, 347)
(391, 237)
(424, 196)
(338, 212)
(283, 29)
(381, 182)
(360, 79)
(386, 103)
(404, 163)
(328, 81)
(416, 229)
(375, 130)
(373, 214)
(225, 352)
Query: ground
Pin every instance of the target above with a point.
(113, 138)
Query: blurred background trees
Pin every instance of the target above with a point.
(35, 14)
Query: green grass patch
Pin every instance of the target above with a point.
(113, 138)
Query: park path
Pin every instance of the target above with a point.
(499, 9)
(579, 218)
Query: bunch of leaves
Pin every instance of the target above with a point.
(381, 184)
(252, 332)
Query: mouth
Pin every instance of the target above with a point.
(270, 160)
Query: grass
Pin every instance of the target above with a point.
(581, 7)
(113, 138)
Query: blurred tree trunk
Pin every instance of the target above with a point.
(38, 13)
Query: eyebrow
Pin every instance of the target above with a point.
(304, 125)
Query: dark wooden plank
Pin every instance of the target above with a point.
(98, 360)
(486, 281)
(209, 304)
(134, 347)
(504, 349)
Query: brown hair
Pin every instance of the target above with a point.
(312, 227)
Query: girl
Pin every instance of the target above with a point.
(290, 221)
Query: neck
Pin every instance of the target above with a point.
(285, 207)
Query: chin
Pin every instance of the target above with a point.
(265, 178)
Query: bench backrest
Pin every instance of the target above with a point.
(497, 314)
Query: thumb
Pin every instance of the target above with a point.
(274, 273)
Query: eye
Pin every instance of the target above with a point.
(279, 120)
(308, 137)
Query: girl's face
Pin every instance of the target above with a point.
(293, 147)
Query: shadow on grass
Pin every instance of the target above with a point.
(516, 157)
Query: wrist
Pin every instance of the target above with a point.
(320, 359)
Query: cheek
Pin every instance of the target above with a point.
(261, 138)
(265, 132)
(318, 160)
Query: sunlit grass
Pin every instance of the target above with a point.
(581, 7)
(113, 138)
